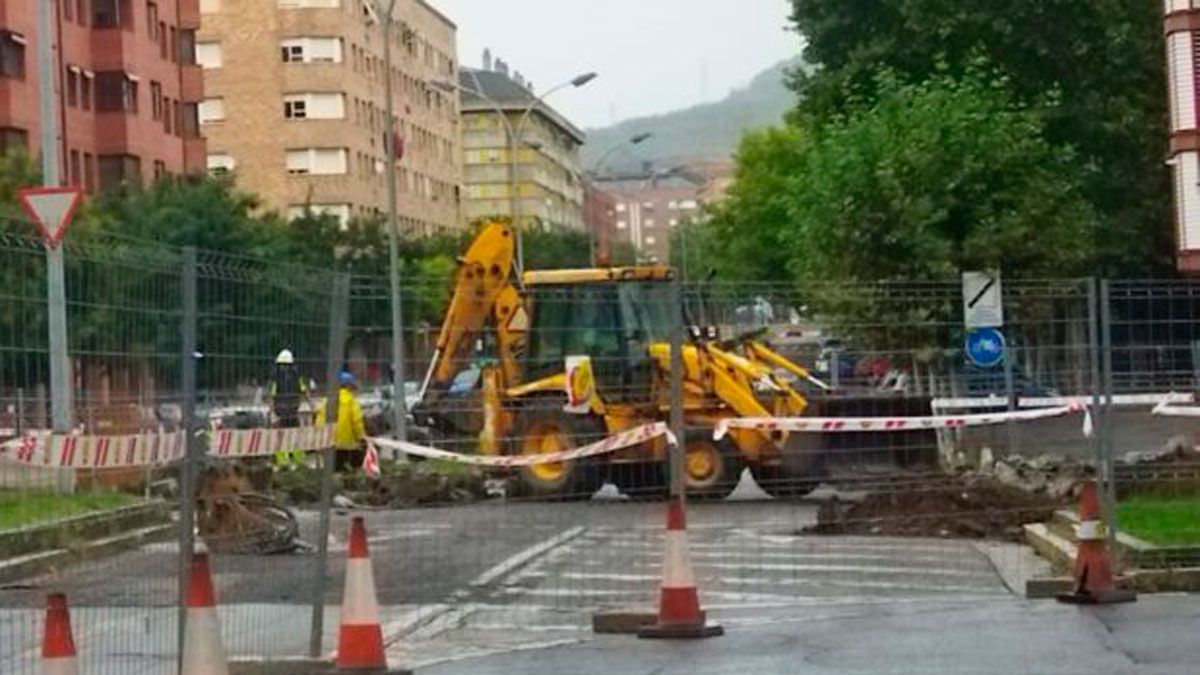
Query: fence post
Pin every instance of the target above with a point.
(1098, 429)
(193, 445)
(1108, 501)
(1010, 395)
(675, 460)
(338, 317)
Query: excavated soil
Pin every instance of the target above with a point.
(968, 507)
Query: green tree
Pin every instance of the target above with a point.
(928, 180)
(1102, 60)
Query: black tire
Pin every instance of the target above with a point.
(777, 482)
(711, 468)
(569, 480)
(641, 481)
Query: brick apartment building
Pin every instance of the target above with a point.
(126, 87)
(649, 207)
(295, 106)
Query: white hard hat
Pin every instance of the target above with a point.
(285, 358)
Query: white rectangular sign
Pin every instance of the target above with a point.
(983, 300)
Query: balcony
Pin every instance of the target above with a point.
(195, 155)
(189, 14)
(191, 84)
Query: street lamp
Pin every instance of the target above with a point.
(399, 414)
(514, 134)
(636, 139)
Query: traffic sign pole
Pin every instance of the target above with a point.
(60, 377)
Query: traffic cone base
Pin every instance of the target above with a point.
(1094, 581)
(58, 645)
(360, 635)
(679, 613)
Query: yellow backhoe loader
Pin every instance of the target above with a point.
(498, 380)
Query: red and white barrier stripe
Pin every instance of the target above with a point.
(70, 451)
(1165, 409)
(1123, 400)
(886, 424)
(613, 443)
(94, 452)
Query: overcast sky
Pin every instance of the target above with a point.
(653, 56)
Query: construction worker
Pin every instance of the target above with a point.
(349, 435)
(286, 389)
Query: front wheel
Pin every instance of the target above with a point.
(542, 432)
(711, 469)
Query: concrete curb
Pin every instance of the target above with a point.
(42, 562)
(64, 532)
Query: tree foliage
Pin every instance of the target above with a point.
(927, 180)
(1102, 62)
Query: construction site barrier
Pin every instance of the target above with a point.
(1123, 400)
(891, 424)
(619, 441)
(69, 451)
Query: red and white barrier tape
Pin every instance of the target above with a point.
(940, 404)
(153, 449)
(1165, 409)
(613, 443)
(95, 452)
(825, 425)
(263, 442)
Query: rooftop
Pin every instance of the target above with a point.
(500, 90)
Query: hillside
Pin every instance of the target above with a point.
(708, 131)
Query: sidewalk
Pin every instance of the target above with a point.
(1156, 635)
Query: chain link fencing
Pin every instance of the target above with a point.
(908, 466)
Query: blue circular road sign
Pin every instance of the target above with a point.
(985, 347)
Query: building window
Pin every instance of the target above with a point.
(116, 91)
(188, 124)
(85, 90)
(219, 162)
(12, 137)
(311, 50)
(339, 211)
(208, 55)
(162, 40)
(295, 108)
(212, 110)
(152, 20)
(650, 241)
(120, 170)
(620, 207)
(673, 222)
(673, 205)
(621, 224)
(317, 161)
(687, 204)
(187, 47)
(174, 45)
(210, 6)
(649, 222)
(81, 11)
(89, 172)
(72, 86)
(156, 101)
(68, 10)
(12, 55)
(315, 106)
(109, 13)
(167, 116)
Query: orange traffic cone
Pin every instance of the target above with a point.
(58, 646)
(360, 636)
(203, 652)
(1094, 583)
(679, 613)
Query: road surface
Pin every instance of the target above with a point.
(466, 581)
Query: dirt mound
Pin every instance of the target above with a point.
(971, 507)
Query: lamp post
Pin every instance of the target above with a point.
(636, 139)
(399, 405)
(514, 134)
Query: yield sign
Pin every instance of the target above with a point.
(51, 209)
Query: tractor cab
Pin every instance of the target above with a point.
(609, 315)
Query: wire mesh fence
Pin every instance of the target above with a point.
(838, 444)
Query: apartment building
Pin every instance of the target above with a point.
(650, 206)
(126, 87)
(295, 106)
(546, 175)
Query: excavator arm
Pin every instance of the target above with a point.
(483, 292)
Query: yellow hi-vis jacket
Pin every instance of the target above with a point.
(349, 432)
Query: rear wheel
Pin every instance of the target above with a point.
(543, 432)
(711, 469)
